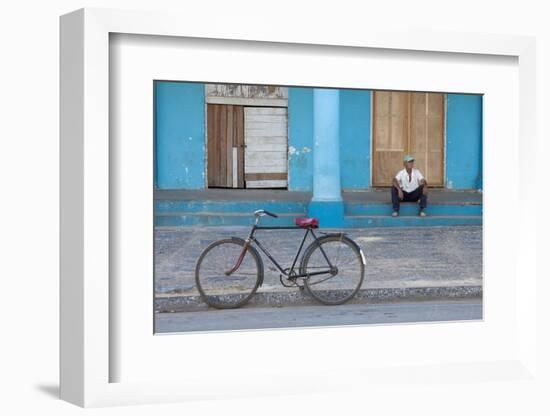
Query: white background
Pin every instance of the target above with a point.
(29, 216)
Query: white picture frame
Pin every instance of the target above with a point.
(88, 295)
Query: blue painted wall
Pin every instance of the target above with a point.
(355, 138)
(179, 135)
(355, 132)
(180, 138)
(464, 141)
(300, 139)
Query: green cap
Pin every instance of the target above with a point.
(408, 158)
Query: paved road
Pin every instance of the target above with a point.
(319, 315)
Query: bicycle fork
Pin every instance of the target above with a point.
(239, 259)
(245, 248)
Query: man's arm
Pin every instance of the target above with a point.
(395, 183)
(425, 188)
(422, 180)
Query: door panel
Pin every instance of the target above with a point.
(266, 147)
(390, 134)
(428, 146)
(225, 145)
(416, 126)
(418, 144)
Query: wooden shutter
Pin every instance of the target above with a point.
(225, 146)
(426, 137)
(390, 138)
(266, 147)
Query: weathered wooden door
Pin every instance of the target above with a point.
(407, 123)
(266, 147)
(390, 135)
(426, 135)
(225, 145)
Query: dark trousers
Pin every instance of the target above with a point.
(413, 196)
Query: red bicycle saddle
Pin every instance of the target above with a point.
(305, 222)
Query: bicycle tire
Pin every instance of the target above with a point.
(337, 290)
(212, 291)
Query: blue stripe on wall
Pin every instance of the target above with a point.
(300, 139)
(464, 141)
(179, 135)
(355, 138)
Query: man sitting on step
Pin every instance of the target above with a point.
(409, 186)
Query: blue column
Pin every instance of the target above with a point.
(326, 203)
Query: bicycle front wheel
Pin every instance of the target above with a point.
(347, 275)
(221, 290)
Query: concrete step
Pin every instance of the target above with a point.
(172, 219)
(290, 207)
(219, 212)
(411, 209)
(366, 221)
(221, 206)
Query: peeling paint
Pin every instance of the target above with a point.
(306, 149)
(246, 91)
(291, 150)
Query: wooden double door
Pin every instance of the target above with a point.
(247, 146)
(408, 123)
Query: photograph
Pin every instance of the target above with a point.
(279, 206)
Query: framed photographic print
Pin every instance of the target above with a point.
(228, 201)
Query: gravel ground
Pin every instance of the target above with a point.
(396, 258)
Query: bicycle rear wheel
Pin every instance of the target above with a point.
(345, 282)
(227, 291)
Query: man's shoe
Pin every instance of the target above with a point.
(422, 213)
(395, 214)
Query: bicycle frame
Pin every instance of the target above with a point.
(251, 239)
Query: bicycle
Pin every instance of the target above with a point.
(331, 269)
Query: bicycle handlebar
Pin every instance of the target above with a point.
(271, 214)
(263, 211)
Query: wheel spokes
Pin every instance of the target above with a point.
(219, 289)
(338, 287)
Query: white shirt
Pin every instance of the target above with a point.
(407, 185)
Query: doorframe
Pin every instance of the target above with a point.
(444, 141)
(205, 173)
(371, 137)
(444, 186)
